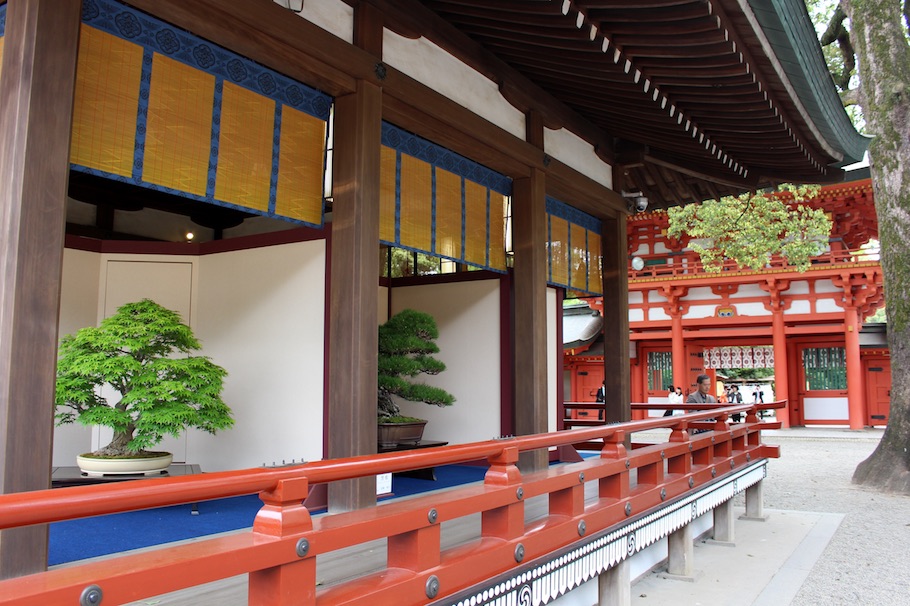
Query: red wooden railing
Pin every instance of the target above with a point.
(279, 553)
(666, 265)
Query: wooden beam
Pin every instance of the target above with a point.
(529, 319)
(36, 100)
(353, 313)
(618, 388)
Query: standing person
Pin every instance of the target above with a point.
(735, 398)
(674, 396)
(703, 394)
(601, 397)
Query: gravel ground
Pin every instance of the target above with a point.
(868, 559)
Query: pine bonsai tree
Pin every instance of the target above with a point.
(405, 344)
(159, 394)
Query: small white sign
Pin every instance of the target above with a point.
(383, 483)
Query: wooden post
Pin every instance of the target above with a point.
(36, 102)
(855, 387)
(529, 328)
(617, 388)
(353, 323)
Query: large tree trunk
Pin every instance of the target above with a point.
(884, 64)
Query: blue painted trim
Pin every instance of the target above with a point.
(572, 215)
(436, 155)
(433, 209)
(2, 19)
(215, 139)
(151, 33)
(276, 153)
(188, 196)
(142, 113)
(397, 197)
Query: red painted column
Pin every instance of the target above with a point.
(676, 309)
(781, 377)
(854, 368)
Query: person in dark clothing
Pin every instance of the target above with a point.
(735, 398)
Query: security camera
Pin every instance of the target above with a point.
(637, 201)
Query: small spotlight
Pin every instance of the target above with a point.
(189, 236)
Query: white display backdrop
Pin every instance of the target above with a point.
(468, 317)
(259, 313)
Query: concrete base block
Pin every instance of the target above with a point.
(754, 518)
(720, 543)
(690, 578)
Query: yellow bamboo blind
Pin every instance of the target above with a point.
(416, 211)
(2, 38)
(498, 209)
(595, 254)
(578, 277)
(301, 163)
(475, 227)
(108, 71)
(245, 148)
(559, 250)
(448, 214)
(179, 126)
(387, 197)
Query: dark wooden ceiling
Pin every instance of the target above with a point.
(687, 91)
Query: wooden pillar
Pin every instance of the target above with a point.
(618, 389)
(855, 391)
(681, 375)
(36, 101)
(529, 328)
(353, 323)
(781, 373)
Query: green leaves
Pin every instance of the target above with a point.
(405, 342)
(159, 394)
(749, 229)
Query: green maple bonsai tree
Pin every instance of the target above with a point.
(161, 393)
(406, 343)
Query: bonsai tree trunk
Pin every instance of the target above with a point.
(117, 447)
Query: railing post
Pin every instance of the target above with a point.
(615, 486)
(507, 522)
(282, 515)
(614, 586)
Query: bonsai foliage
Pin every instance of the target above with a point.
(750, 228)
(405, 344)
(159, 394)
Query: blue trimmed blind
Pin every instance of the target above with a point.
(435, 201)
(158, 107)
(574, 249)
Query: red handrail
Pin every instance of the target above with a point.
(282, 572)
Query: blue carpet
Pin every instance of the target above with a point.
(103, 535)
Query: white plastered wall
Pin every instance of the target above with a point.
(468, 317)
(577, 153)
(554, 364)
(261, 316)
(259, 313)
(78, 308)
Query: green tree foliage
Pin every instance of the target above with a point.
(406, 343)
(750, 228)
(136, 352)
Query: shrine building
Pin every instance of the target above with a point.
(806, 327)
